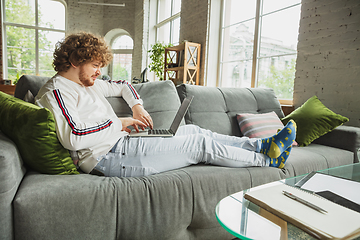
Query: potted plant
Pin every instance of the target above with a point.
(157, 56)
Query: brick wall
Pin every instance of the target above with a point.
(1, 55)
(102, 19)
(328, 63)
(140, 37)
(84, 17)
(120, 17)
(194, 26)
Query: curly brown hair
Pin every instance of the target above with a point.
(81, 48)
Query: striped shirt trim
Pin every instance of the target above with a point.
(132, 89)
(72, 124)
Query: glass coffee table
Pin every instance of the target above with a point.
(246, 220)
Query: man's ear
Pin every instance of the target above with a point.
(73, 65)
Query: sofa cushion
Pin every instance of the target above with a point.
(208, 108)
(316, 157)
(313, 119)
(30, 83)
(33, 130)
(85, 206)
(216, 108)
(259, 125)
(160, 100)
(162, 109)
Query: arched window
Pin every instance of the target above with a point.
(122, 47)
(31, 31)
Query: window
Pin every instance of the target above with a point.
(31, 30)
(122, 48)
(168, 21)
(259, 44)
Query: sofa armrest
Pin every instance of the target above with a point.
(29, 83)
(12, 172)
(343, 137)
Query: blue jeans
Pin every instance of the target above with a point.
(134, 157)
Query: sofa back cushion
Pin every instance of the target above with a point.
(216, 108)
(30, 83)
(160, 98)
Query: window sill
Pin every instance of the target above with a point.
(287, 109)
(286, 102)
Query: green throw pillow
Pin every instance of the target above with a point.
(313, 120)
(33, 130)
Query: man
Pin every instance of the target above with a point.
(87, 125)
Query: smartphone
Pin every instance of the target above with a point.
(339, 200)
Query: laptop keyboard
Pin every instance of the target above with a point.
(159, 131)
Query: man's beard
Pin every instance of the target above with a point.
(85, 80)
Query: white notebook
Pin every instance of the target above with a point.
(317, 182)
(338, 223)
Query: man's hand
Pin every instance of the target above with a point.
(141, 114)
(132, 122)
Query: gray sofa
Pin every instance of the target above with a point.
(178, 204)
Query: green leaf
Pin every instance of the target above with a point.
(157, 56)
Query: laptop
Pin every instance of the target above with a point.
(174, 126)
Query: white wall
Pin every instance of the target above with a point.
(328, 63)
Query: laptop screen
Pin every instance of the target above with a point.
(181, 113)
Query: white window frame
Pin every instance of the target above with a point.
(120, 51)
(170, 20)
(36, 27)
(255, 58)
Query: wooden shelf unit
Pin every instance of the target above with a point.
(182, 63)
(9, 89)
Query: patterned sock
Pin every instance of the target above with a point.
(280, 161)
(274, 146)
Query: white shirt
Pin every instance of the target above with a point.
(85, 121)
